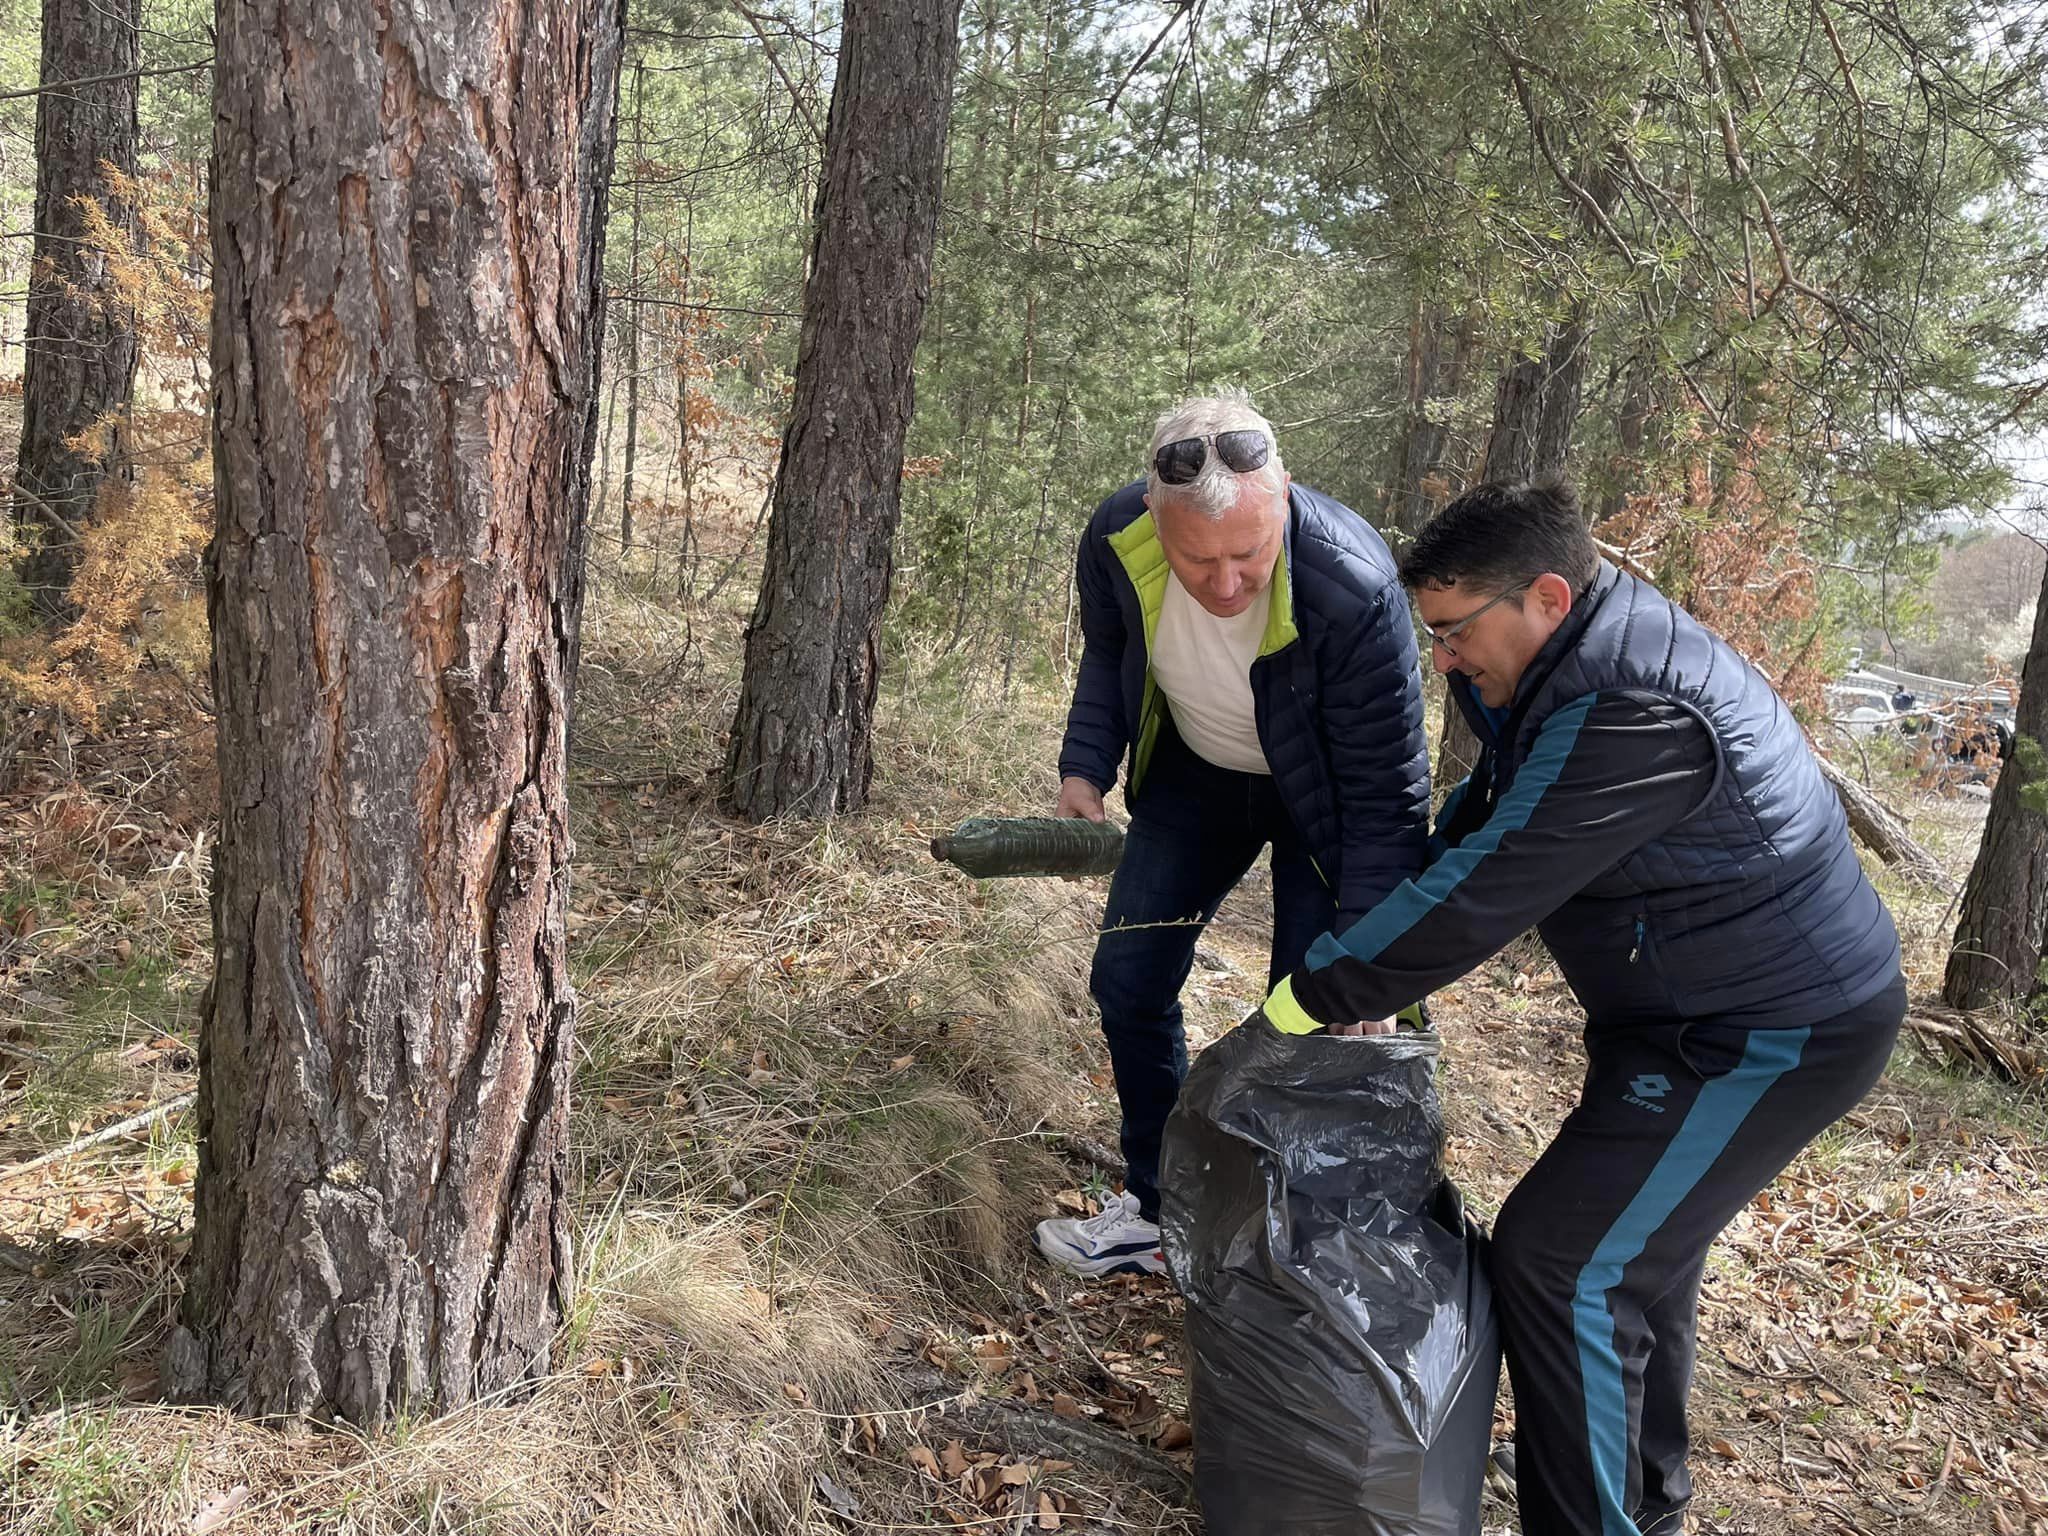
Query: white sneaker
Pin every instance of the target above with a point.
(1119, 1241)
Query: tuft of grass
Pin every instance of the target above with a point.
(814, 1072)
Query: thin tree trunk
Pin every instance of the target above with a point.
(1027, 578)
(802, 734)
(633, 322)
(1997, 956)
(1031, 248)
(1631, 428)
(1433, 380)
(1535, 407)
(408, 247)
(686, 437)
(79, 335)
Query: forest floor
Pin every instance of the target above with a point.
(825, 1088)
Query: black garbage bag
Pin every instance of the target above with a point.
(1342, 1345)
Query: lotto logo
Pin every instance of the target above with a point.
(1651, 1085)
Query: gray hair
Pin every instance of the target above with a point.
(1214, 491)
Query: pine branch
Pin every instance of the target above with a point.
(127, 74)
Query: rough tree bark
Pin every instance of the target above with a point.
(633, 315)
(1535, 406)
(1633, 415)
(1439, 348)
(407, 237)
(802, 734)
(80, 337)
(1997, 955)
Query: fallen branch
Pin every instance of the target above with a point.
(119, 1128)
(1883, 833)
(1968, 1040)
(1625, 560)
(1088, 1150)
(1023, 1429)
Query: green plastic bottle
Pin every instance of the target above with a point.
(990, 847)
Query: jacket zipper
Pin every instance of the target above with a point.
(1637, 953)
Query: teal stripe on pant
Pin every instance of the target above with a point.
(1718, 1112)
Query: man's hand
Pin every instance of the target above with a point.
(1362, 1027)
(1080, 798)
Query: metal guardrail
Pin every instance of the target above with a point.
(1926, 690)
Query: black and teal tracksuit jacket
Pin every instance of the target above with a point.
(1336, 687)
(1650, 806)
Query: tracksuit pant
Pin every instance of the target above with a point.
(1195, 829)
(1598, 1252)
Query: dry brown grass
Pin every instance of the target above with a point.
(815, 1072)
(816, 1076)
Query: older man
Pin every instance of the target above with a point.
(1648, 804)
(1249, 653)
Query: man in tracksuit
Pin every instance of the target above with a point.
(1249, 652)
(1648, 804)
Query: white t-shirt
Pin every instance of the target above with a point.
(1204, 666)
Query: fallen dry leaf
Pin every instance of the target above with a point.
(843, 1502)
(984, 1485)
(218, 1510)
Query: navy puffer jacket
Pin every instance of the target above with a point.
(1335, 689)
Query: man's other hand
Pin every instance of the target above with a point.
(1362, 1027)
(1080, 798)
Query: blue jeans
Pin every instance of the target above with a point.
(1195, 829)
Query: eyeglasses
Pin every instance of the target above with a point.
(1447, 637)
(1179, 462)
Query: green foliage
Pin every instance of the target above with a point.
(2030, 762)
(1804, 241)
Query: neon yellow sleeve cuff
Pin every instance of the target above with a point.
(1285, 1014)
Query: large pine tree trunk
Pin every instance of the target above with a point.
(802, 734)
(80, 336)
(1999, 938)
(407, 236)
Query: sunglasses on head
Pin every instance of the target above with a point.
(1179, 462)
